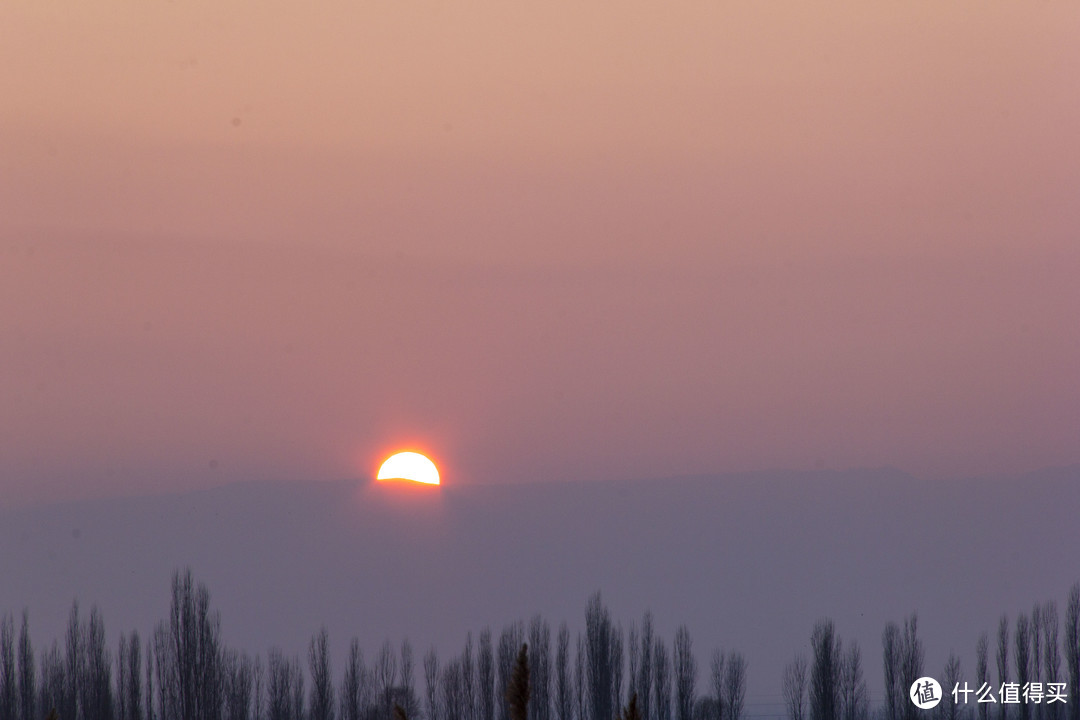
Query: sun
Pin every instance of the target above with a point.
(409, 466)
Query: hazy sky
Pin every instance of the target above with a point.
(541, 241)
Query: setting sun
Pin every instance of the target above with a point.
(409, 466)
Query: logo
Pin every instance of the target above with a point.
(925, 693)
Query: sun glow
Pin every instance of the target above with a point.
(409, 466)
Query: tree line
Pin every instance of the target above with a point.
(184, 671)
(1031, 682)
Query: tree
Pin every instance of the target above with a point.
(410, 703)
(581, 709)
(598, 634)
(661, 680)
(1072, 650)
(9, 689)
(385, 680)
(564, 690)
(952, 677)
(1003, 659)
(824, 672)
(485, 676)
(284, 687)
(351, 702)
(517, 692)
(97, 697)
(1052, 655)
(633, 661)
(891, 649)
(734, 687)
(1022, 649)
(717, 678)
(510, 639)
(431, 684)
(238, 678)
(27, 682)
(468, 680)
(52, 689)
(911, 655)
(129, 678)
(795, 688)
(854, 698)
(616, 665)
(452, 705)
(685, 675)
(73, 658)
(322, 686)
(982, 670)
(539, 669)
(188, 654)
(1036, 652)
(645, 672)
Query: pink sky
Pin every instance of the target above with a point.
(543, 241)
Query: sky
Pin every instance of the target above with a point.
(541, 242)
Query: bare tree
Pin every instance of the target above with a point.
(734, 686)
(948, 708)
(824, 672)
(510, 639)
(1052, 654)
(431, 684)
(97, 696)
(188, 655)
(9, 688)
(468, 680)
(517, 692)
(1072, 650)
(539, 669)
(1022, 656)
(564, 691)
(645, 673)
(716, 675)
(661, 680)
(911, 653)
(1036, 653)
(350, 700)
(616, 665)
(685, 675)
(51, 690)
(148, 688)
(854, 697)
(129, 678)
(238, 677)
(598, 634)
(74, 659)
(891, 651)
(257, 700)
(321, 700)
(385, 679)
(284, 687)
(982, 670)
(452, 705)
(485, 675)
(795, 688)
(1003, 660)
(409, 701)
(581, 709)
(27, 683)
(633, 656)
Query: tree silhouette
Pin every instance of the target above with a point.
(517, 692)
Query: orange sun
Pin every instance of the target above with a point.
(409, 466)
